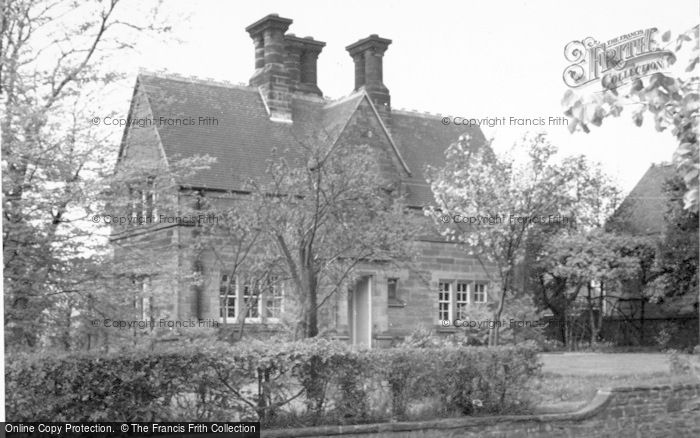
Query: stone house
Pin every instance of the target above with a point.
(240, 125)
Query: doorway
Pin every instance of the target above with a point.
(360, 312)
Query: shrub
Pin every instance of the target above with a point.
(279, 384)
(88, 387)
(406, 371)
(487, 380)
(665, 335)
(682, 365)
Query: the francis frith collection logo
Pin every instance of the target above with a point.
(614, 62)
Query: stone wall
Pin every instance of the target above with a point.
(418, 289)
(658, 411)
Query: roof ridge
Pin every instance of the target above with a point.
(412, 112)
(166, 74)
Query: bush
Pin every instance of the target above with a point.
(487, 380)
(279, 384)
(683, 365)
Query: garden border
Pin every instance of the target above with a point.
(626, 403)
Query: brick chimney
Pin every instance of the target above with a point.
(271, 76)
(367, 54)
(301, 63)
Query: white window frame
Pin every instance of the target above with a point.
(262, 297)
(258, 298)
(444, 297)
(146, 300)
(223, 315)
(462, 304)
(268, 296)
(484, 291)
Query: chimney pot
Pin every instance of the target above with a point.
(267, 34)
(271, 76)
(301, 62)
(367, 54)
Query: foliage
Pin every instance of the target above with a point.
(677, 255)
(568, 263)
(311, 382)
(671, 101)
(475, 183)
(596, 256)
(319, 213)
(679, 364)
(519, 314)
(56, 67)
(665, 334)
(493, 380)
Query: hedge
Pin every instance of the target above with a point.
(279, 384)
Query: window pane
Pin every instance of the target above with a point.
(391, 285)
(461, 300)
(443, 301)
(251, 295)
(480, 293)
(231, 307)
(273, 300)
(227, 297)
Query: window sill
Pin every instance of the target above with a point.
(256, 321)
(395, 302)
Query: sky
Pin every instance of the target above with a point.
(456, 58)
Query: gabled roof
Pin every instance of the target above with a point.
(245, 138)
(642, 211)
(423, 138)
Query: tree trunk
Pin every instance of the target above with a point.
(312, 311)
(591, 316)
(641, 325)
(495, 327)
(601, 299)
(562, 326)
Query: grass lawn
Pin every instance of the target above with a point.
(610, 364)
(571, 380)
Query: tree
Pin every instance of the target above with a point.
(678, 249)
(327, 212)
(53, 63)
(574, 261)
(235, 243)
(596, 197)
(519, 196)
(480, 184)
(672, 101)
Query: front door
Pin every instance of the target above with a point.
(361, 313)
